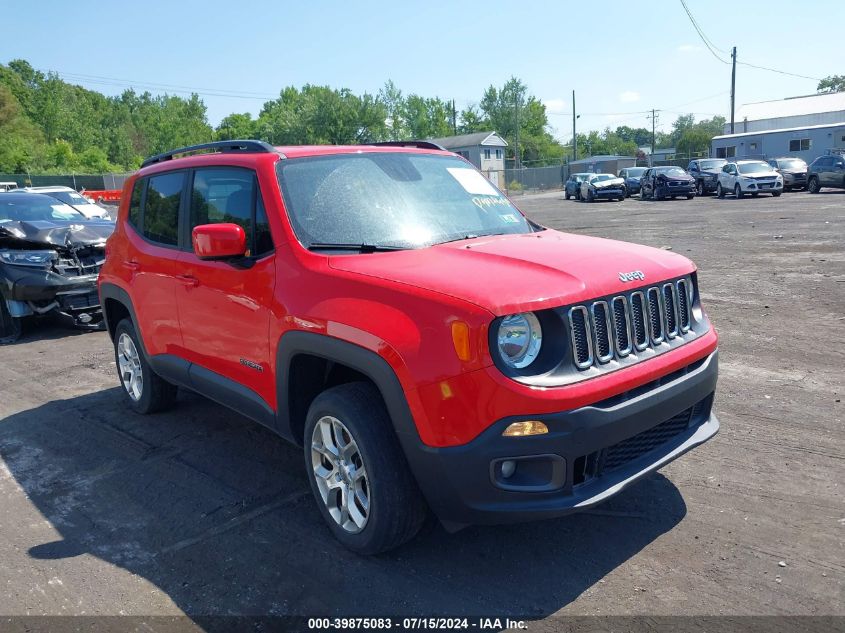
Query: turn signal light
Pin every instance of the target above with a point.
(526, 427)
(460, 339)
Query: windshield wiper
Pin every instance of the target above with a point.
(469, 236)
(362, 247)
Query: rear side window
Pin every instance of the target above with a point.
(230, 194)
(161, 210)
(135, 203)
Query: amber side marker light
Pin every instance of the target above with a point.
(460, 339)
(527, 427)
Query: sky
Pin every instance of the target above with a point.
(621, 58)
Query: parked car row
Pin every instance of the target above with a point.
(707, 176)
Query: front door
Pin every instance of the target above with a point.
(224, 306)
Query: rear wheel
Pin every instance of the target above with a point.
(146, 391)
(566, 195)
(776, 193)
(699, 188)
(738, 191)
(357, 470)
(10, 327)
(690, 196)
(719, 191)
(590, 197)
(813, 185)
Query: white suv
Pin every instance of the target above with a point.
(749, 176)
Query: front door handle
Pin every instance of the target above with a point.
(188, 280)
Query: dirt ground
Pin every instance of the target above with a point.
(200, 511)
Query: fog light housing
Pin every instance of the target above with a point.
(525, 427)
(508, 468)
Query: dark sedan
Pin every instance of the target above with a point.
(659, 183)
(572, 187)
(793, 170)
(602, 187)
(631, 176)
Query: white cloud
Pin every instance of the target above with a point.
(688, 48)
(629, 96)
(556, 106)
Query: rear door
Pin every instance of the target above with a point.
(149, 263)
(224, 306)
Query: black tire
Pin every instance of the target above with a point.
(156, 394)
(578, 194)
(720, 192)
(776, 194)
(755, 194)
(397, 509)
(813, 185)
(10, 327)
(690, 196)
(566, 195)
(738, 191)
(699, 188)
(643, 196)
(590, 197)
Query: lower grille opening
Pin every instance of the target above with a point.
(613, 457)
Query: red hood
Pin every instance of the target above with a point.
(516, 273)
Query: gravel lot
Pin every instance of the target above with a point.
(200, 511)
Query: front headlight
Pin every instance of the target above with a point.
(37, 259)
(519, 339)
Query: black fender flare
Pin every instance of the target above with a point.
(362, 360)
(116, 293)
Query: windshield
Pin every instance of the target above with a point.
(34, 209)
(392, 199)
(70, 197)
(635, 172)
(754, 168)
(792, 163)
(601, 177)
(580, 177)
(676, 172)
(712, 164)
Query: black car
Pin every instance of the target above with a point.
(666, 182)
(631, 176)
(706, 173)
(826, 171)
(572, 187)
(50, 256)
(793, 170)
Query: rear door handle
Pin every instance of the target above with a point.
(134, 266)
(188, 280)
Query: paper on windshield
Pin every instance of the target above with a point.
(472, 181)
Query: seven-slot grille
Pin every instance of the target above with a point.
(629, 323)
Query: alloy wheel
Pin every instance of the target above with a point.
(338, 468)
(129, 363)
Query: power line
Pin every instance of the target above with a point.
(702, 35)
(775, 70)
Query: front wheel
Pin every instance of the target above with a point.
(738, 191)
(699, 188)
(690, 196)
(776, 193)
(720, 192)
(813, 186)
(566, 195)
(357, 470)
(146, 391)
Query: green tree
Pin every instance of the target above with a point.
(832, 83)
(427, 117)
(394, 105)
(236, 126)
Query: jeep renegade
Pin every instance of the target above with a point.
(389, 310)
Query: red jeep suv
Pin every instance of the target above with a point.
(388, 309)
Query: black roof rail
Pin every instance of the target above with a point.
(417, 144)
(256, 147)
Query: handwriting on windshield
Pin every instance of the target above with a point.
(485, 202)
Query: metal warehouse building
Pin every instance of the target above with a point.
(805, 127)
(807, 143)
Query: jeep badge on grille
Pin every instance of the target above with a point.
(634, 274)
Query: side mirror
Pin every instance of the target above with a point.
(218, 241)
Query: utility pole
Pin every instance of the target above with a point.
(574, 138)
(733, 86)
(516, 148)
(653, 118)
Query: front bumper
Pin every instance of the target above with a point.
(601, 194)
(676, 190)
(794, 180)
(589, 454)
(36, 291)
(754, 187)
(709, 184)
(633, 188)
